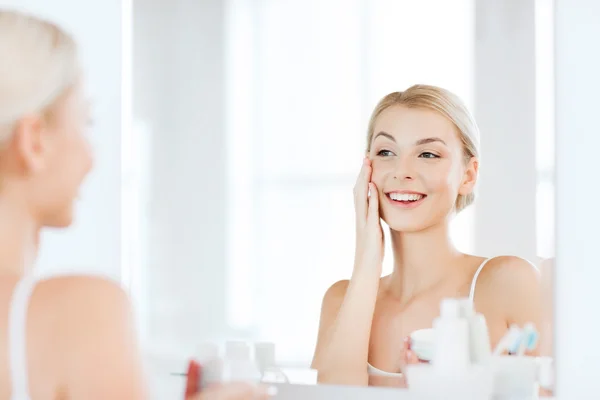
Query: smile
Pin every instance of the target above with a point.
(406, 200)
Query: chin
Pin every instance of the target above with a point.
(62, 224)
(409, 218)
(60, 219)
(406, 221)
(407, 226)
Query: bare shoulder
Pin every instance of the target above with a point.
(75, 293)
(94, 326)
(509, 270)
(81, 305)
(514, 284)
(82, 283)
(335, 295)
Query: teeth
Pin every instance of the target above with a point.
(405, 196)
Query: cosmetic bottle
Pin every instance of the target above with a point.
(211, 364)
(238, 365)
(451, 374)
(264, 354)
(479, 339)
(451, 337)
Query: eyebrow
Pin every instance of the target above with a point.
(430, 140)
(417, 143)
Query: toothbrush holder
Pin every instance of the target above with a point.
(515, 377)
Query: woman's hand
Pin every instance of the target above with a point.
(369, 235)
(408, 357)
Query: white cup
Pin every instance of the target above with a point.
(515, 376)
(422, 344)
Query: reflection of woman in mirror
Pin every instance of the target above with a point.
(421, 168)
(70, 336)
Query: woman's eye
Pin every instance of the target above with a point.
(385, 153)
(428, 155)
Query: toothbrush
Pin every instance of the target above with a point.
(517, 343)
(512, 336)
(530, 339)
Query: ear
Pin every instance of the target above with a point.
(469, 177)
(31, 144)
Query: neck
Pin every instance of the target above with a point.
(19, 238)
(421, 260)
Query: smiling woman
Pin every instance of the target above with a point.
(416, 151)
(421, 169)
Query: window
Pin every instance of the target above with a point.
(300, 92)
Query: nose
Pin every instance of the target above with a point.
(404, 168)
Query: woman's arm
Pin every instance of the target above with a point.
(342, 349)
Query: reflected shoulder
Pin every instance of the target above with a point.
(336, 291)
(514, 284)
(504, 269)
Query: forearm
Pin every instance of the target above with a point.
(347, 347)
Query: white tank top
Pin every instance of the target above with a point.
(376, 371)
(17, 337)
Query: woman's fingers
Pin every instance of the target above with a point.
(411, 358)
(373, 212)
(408, 356)
(361, 190)
(192, 385)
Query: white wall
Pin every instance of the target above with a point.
(577, 270)
(179, 100)
(178, 97)
(505, 111)
(93, 244)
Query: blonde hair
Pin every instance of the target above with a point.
(445, 103)
(39, 63)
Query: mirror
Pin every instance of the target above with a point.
(249, 129)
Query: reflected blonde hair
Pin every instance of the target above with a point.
(445, 103)
(38, 64)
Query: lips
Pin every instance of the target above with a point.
(406, 199)
(405, 196)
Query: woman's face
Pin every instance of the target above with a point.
(55, 157)
(419, 168)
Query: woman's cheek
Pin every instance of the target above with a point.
(441, 177)
(377, 175)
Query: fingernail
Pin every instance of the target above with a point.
(193, 378)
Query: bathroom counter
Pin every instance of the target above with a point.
(327, 392)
